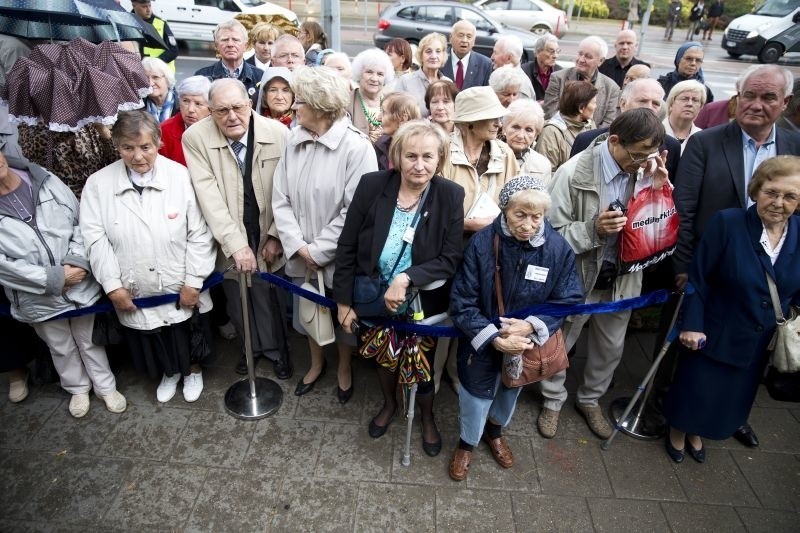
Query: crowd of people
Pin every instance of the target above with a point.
(469, 185)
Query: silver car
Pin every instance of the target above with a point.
(537, 16)
(412, 21)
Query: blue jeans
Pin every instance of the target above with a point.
(475, 411)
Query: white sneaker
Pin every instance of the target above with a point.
(192, 386)
(18, 389)
(115, 402)
(79, 405)
(166, 389)
(227, 331)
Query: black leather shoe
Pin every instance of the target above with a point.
(305, 388)
(283, 370)
(674, 453)
(697, 455)
(344, 395)
(432, 449)
(241, 366)
(376, 431)
(746, 436)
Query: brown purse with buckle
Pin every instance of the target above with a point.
(538, 362)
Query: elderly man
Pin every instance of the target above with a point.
(287, 51)
(543, 65)
(646, 93)
(508, 51)
(463, 67)
(718, 163)
(231, 158)
(617, 67)
(591, 53)
(636, 72)
(585, 191)
(144, 10)
(230, 40)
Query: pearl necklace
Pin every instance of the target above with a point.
(370, 117)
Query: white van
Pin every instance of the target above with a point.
(768, 32)
(195, 20)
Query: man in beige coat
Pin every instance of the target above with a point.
(231, 157)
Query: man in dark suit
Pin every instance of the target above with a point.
(646, 93)
(465, 68)
(718, 163)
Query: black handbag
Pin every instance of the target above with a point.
(783, 387)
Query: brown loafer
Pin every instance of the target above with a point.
(459, 464)
(500, 451)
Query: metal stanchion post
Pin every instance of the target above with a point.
(253, 397)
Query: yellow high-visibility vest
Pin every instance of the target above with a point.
(159, 25)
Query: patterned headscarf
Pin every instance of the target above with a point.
(523, 182)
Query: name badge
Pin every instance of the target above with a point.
(536, 273)
(408, 235)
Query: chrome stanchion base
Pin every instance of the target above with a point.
(240, 404)
(640, 425)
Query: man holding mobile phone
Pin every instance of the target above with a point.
(605, 174)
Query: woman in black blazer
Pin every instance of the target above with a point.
(379, 219)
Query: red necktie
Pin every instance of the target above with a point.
(460, 75)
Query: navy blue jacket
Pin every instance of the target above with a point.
(249, 75)
(731, 303)
(476, 73)
(473, 303)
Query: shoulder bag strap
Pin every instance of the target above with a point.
(414, 222)
(498, 288)
(776, 301)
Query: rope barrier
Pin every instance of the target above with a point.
(557, 310)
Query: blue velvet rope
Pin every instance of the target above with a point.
(558, 310)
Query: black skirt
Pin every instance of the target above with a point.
(171, 349)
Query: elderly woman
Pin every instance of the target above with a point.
(399, 52)
(683, 105)
(145, 236)
(314, 182)
(521, 126)
(372, 70)
(521, 236)
(339, 62)
(44, 271)
(193, 102)
(161, 102)
(729, 319)
(575, 109)
(262, 37)
(479, 162)
(440, 100)
(385, 209)
(275, 96)
(542, 67)
(506, 82)
(396, 109)
(431, 56)
(688, 66)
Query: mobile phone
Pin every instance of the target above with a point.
(616, 205)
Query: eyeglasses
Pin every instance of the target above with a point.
(297, 102)
(287, 55)
(639, 158)
(688, 100)
(787, 197)
(698, 60)
(222, 112)
(155, 77)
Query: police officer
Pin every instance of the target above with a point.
(144, 11)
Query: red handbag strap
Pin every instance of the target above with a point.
(498, 288)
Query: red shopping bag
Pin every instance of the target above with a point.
(651, 232)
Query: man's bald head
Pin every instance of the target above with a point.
(646, 93)
(462, 37)
(625, 46)
(636, 72)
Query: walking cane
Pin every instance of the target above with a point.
(412, 395)
(253, 397)
(629, 426)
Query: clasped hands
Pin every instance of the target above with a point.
(513, 338)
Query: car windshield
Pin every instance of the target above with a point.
(252, 3)
(776, 8)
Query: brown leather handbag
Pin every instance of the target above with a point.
(538, 362)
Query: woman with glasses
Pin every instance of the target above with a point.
(542, 67)
(683, 105)
(688, 66)
(162, 102)
(324, 159)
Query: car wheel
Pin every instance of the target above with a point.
(771, 53)
(734, 55)
(540, 29)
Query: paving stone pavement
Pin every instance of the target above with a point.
(313, 467)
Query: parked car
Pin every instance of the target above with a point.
(412, 21)
(768, 32)
(195, 20)
(536, 16)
